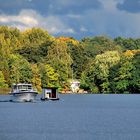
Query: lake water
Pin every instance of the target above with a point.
(73, 117)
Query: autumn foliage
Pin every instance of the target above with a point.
(101, 64)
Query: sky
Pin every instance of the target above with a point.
(74, 18)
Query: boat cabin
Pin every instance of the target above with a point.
(21, 87)
(49, 93)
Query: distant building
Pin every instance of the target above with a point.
(75, 86)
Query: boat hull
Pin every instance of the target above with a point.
(53, 99)
(23, 96)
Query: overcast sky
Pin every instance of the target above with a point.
(76, 18)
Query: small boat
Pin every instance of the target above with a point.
(23, 93)
(50, 93)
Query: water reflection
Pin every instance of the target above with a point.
(1, 101)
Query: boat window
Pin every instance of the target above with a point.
(25, 87)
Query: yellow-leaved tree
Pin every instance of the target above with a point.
(36, 80)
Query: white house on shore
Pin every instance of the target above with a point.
(75, 86)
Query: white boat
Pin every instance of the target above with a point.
(23, 93)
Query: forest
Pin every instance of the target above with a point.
(100, 63)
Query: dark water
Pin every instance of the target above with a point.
(74, 117)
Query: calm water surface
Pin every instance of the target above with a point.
(74, 117)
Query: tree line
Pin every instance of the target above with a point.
(100, 63)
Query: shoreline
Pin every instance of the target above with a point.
(87, 93)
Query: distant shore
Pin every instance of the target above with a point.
(6, 91)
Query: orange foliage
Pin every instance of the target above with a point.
(68, 40)
(63, 38)
(131, 53)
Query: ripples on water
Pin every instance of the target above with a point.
(73, 117)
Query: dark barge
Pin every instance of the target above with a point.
(50, 93)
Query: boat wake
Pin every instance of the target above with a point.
(2, 101)
(37, 100)
(14, 101)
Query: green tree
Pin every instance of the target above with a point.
(59, 58)
(36, 80)
(12, 38)
(98, 72)
(135, 81)
(98, 45)
(128, 43)
(103, 63)
(4, 56)
(79, 59)
(20, 70)
(49, 77)
(35, 36)
(35, 44)
(122, 76)
(2, 81)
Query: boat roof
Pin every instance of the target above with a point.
(20, 84)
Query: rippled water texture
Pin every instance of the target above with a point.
(73, 117)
